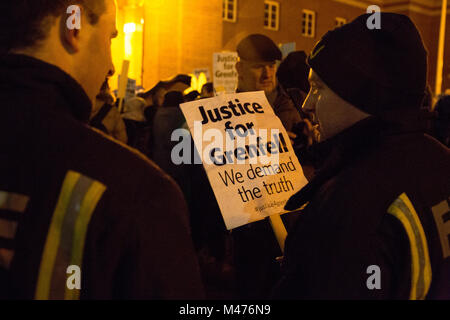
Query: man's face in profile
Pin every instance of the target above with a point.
(257, 75)
(328, 112)
(97, 56)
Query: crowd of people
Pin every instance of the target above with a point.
(85, 183)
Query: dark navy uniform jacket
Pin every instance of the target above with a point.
(73, 202)
(377, 223)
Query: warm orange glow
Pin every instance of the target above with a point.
(128, 47)
(172, 29)
(440, 58)
(129, 44)
(196, 83)
(201, 81)
(129, 27)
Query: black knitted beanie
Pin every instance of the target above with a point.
(374, 69)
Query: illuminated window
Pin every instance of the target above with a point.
(308, 23)
(338, 22)
(271, 15)
(229, 11)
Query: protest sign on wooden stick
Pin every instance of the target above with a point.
(247, 155)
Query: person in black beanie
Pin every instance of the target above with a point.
(375, 225)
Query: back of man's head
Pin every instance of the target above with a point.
(207, 90)
(25, 23)
(293, 71)
(74, 35)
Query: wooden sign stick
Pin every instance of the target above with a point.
(123, 84)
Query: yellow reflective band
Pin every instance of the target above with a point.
(66, 236)
(316, 52)
(404, 211)
(88, 206)
(53, 237)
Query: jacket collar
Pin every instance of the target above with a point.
(337, 152)
(28, 72)
(346, 147)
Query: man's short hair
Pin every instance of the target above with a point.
(26, 22)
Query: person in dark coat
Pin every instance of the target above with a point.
(211, 239)
(375, 225)
(441, 123)
(106, 117)
(80, 215)
(254, 246)
(137, 127)
(167, 118)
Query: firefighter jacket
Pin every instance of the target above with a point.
(376, 225)
(80, 215)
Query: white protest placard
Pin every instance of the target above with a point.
(246, 153)
(225, 76)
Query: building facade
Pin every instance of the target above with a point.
(305, 21)
(166, 38)
(162, 38)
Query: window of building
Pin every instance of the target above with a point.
(338, 22)
(271, 15)
(309, 23)
(229, 11)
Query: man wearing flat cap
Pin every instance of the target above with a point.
(255, 247)
(257, 67)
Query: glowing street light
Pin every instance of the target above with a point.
(129, 27)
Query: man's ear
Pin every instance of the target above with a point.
(71, 40)
(70, 26)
